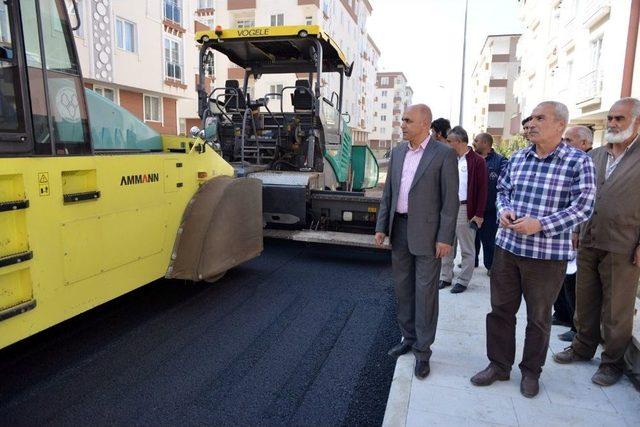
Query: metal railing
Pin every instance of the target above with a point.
(589, 86)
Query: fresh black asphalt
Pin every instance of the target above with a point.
(297, 336)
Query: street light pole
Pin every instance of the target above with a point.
(464, 51)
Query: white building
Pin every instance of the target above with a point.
(493, 77)
(141, 55)
(573, 51)
(393, 95)
(344, 21)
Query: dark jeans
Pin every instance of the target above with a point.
(565, 304)
(513, 277)
(487, 236)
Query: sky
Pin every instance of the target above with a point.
(424, 39)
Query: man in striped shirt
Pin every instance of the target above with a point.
(546, 190)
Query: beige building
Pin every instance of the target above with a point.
(492, 89)
(344, 20)
(141, 55)
(574, 51)
(393, 94)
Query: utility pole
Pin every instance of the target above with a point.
(464, 52)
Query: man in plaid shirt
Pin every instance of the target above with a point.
(545, 191)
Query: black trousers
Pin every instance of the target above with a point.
(565, 305)
(487, 236)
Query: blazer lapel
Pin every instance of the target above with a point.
(427, 156)
(398, 164)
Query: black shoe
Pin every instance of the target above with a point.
(399, 350)
(458, 288)
(443, 284)
(567, 336)
(422, 369)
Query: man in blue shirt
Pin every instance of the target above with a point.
(483, 144)
(544, 192)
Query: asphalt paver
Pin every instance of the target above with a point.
(297, 336)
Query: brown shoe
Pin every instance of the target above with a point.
(529, 386)
(607, 375)
(489, 375)
(569, 356)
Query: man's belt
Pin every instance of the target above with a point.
(402, 215)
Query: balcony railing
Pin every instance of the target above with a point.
(589, 87)
(173, 12)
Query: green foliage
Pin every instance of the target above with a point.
(510, 146)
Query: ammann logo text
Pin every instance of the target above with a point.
(140, 179)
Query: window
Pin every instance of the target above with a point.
(277, 20)
(383, 118)
(384, 80)
(125, 35)
(205, 4)
(277, 88)
(152, 109)
(11, 114)
(108, 93)
(245, 22)
(384, 93)
(596, 51)
(173, 58)
(173, 11)
(308, 20)
(383, 105)
(211, 23)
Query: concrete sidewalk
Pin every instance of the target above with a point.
(446, 397)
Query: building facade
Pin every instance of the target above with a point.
(344, 20)
(573, 51)
(141, 55)
(393, 95)
(493, 78)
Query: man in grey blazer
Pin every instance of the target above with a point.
(418, 212)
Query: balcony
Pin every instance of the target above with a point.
(595, 11)
(397, 99)
(241, 4)
(589, 89)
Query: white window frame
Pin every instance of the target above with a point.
(383, 105)
(208, 4)
(383, 118)
(179, 4)
(180, 58)
(276, 17)
(134, 35)
(100, 91)
(144, 109)
(384, 80)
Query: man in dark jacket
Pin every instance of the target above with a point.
(483, 144)
(472, 192)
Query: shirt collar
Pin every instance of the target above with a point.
(607, 147)
(421, 146)
(561, 150)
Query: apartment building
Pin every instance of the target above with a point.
(573, 51)
(141, 55)
(344, 20)
(492, 86)
(393, 95)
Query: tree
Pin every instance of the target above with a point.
(510, 146)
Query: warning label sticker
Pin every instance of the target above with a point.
(43, 183)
